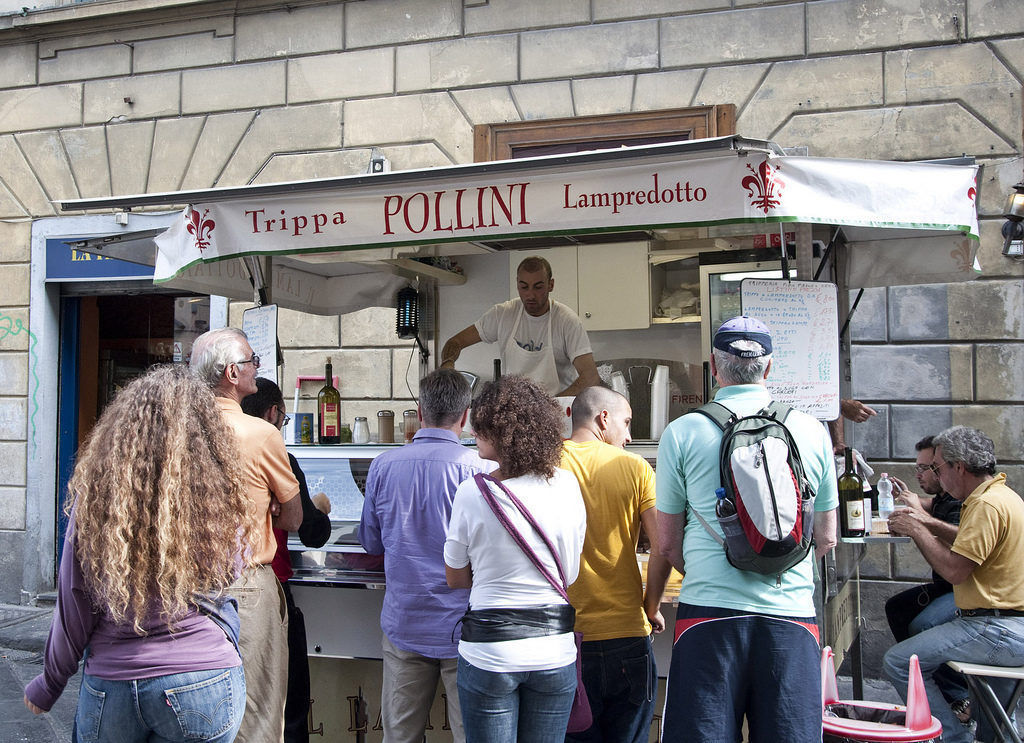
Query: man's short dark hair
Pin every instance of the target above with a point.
(928, 442)
(267, 395)
(591, 401)
(444, 397)
(533, 264)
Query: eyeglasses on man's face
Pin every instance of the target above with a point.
(922, 468)
(254, 360)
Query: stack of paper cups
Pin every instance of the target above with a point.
(659, 401)
(619, 384)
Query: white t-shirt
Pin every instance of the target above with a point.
(567, 333)
(504, 577)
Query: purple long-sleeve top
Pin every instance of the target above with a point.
(408, 503)
(116, 652)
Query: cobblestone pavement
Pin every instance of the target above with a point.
(17, 724)
(23, 632)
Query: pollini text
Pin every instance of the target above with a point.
(456, 210)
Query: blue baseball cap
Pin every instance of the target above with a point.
(743, 328)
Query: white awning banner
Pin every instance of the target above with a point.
(651, 192)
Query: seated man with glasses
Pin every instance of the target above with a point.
(983, 564)
(922, 607)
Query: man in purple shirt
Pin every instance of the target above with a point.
(409, 494)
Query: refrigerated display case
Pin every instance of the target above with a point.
(721, 275)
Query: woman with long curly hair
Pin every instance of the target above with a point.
(517, 654)
(159, 525)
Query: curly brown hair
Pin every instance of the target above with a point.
(160, 510)
(522, 422)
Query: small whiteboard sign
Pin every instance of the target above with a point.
(260, 325)
(803, 318)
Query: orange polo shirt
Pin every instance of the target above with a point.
(266, 468)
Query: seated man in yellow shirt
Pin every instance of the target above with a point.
(983, 565)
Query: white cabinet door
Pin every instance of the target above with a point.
(563, 271)
(614, 286)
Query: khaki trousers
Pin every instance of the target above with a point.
(408, 689)
(263, 642)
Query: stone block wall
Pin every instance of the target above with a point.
(931, 356)
(161, 95)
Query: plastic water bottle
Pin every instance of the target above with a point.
(724, 507)
(886, 505)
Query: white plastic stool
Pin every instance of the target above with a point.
(999, 716)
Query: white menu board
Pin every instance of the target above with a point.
(260, 325)
(803, 318)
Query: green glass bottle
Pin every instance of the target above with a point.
(328, 409)
(851, 499)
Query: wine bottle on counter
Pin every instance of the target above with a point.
(328, 409)
(851, 499)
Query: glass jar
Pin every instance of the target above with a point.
(386, 426)
(361, 431)
(346, 433)
(410, 424)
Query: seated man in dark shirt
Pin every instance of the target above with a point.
(268, 403)
(922, 607)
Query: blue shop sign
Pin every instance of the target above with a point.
(63, 263)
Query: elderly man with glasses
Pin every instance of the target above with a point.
(224, 360)
(983, 564)
(921, 607)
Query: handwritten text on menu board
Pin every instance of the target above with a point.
(803, 318)
(260, 325)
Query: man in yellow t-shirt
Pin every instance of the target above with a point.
(614, 613)
(984, 567)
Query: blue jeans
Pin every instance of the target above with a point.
(528, 706)
(194, 706)
(621, 680)
(994, 641)
(939, 611)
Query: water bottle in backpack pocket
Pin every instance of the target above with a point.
(729, 520)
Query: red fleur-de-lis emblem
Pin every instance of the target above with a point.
(764, 187)
(200, 227)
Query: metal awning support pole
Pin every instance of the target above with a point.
(827, 255)
(784, 251)
(846, 325)
(259, 281)
(804, 252)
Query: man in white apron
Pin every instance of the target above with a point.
(539, 337)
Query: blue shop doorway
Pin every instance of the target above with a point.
(110, 333)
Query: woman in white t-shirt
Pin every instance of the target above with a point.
(517, 655)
